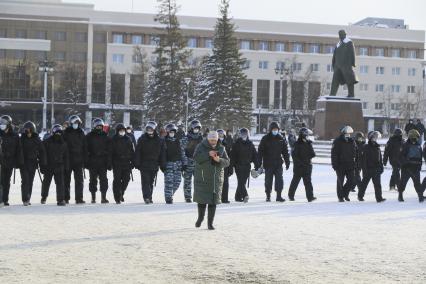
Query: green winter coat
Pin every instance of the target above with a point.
(208, 174)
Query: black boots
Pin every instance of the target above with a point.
(211, 212)
(103, 198)
(279, 198)
(201, 213)
(210, 216)
(400, 197)
(93, 197)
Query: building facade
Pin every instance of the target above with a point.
(288, 64)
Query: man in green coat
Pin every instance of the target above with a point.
(210, 160)
(343, 65)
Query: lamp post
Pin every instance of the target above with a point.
(258, 119)
(45, 67)
(282, 72)
(187, 82)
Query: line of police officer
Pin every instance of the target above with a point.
(69, 151)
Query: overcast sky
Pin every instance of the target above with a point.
(339, 12)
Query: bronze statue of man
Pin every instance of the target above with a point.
(343, 65)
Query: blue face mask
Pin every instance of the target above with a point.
(274, 132)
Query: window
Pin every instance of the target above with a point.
(411, 89)
(395, 106)
(137, 58)
(363, 87)
(81, 36)
(279, 46)
(245, 44)
(412, 54)
(99, 38)
(363, 51)
(314, 67)
(192, 42)
(118, 58)
(20, 54)
(80, 56)
(263, 93)
(412, 72)
(263, 45)
(21, 34)
(329, 68)
(396, 71)
(314, 48)
(280, 65)
(263, 64)
(208, 43)
(395, 88)
(154, 40)
(40, 35)
(60, 36)
(379, 52)
(396, 53)
(117, 38)
(297, 47)
(364, 105)
(137, 39)
(380, 70)
(329, 49)
(296, 67)
(117, 88)
(3, 33)
(378, 106)
(60, 56)
(363, 69)
(380, 88)
(99, 57)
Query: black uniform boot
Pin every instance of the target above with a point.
(210, 216)
(421, 197)
(201, 213)
(400, 197)
(103, 198)
(279, 198)
(268, 197)
(93, 197)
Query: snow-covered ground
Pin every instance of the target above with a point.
(257, 242)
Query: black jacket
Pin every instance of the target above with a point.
(302, 154)
(77, 146)
(150, 153)
(190, 142)
(132, 138)
(174, 149)
(12, 150)
(123, 152)
(243, 154)
(56, 153)
(392, 151)
(98, 150)
(272, 150)
(411, 155)
(344, 154)
(409, 126)
(420, 128)
(33, 150)
(371, 159)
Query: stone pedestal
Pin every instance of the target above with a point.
(332, 113)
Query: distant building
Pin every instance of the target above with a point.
(94, 55)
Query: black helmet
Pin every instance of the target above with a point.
(6, 120)
(194, 124)
(151, 124)
(75, 119)
(119, 126)
(304, 132)
(359, 136)
(244, 132)
(397, 132)
(29, 126)
(98, 122)
(274, 124)
(57, 128)
(171, 127)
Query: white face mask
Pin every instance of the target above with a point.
(150, 132)
(274, 132)
(171, 134)
(3, 127)
(75, 125)
(196, 130)
(129, 131)
(121, 133)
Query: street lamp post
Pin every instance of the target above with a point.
(282, 71)
(45, 67)
(187, 82)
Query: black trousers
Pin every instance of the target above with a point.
(27, 180)
(147, 179)
(344, 188)
(243, 174)
(395, 177)
(58, 174)
(6, 175)
(306, 175)
(78, 182)
(375, 176)
(225, 187)
(413, 173)
(120, 182)
(358, 179)
(96, 173)
(270, 173)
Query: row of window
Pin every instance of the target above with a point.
(42, 55)
(393, 106)
(39, 34)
